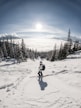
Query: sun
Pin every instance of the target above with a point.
(39, 26)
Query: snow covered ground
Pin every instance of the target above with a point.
(59, 88)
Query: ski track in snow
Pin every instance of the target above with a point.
(59, 88)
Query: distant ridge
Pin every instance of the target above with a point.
(9, 37)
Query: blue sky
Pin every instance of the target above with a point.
(19, 17)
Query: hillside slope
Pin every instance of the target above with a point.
(59, 88)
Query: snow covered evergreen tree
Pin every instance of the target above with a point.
(11, 47)
(60, 52)
(23, 50)
(4, 50)
(76, 46)
(53, 57)
(65, 51)
(1, 54)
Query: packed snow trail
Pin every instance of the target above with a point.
(30, 93)
(60, 88)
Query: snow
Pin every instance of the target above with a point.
(59, 88)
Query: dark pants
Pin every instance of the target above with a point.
(40, 73)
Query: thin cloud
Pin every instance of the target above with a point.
(6, 34)
(48, 30)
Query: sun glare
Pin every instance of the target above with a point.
(38, 26)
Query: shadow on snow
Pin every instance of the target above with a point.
(42, 84)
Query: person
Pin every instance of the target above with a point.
(40, 69)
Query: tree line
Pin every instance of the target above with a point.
(68, 48)
(19, 51)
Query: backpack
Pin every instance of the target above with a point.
(43, 67)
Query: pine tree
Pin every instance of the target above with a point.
(53, 57)
(18, 53)
(11, 47)
(69, 37)
(69, 42)
(23, 49)
(65, 51)
(36, 55)
(76, 46)
(60, 54)
(1, 54)
(4, 50)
